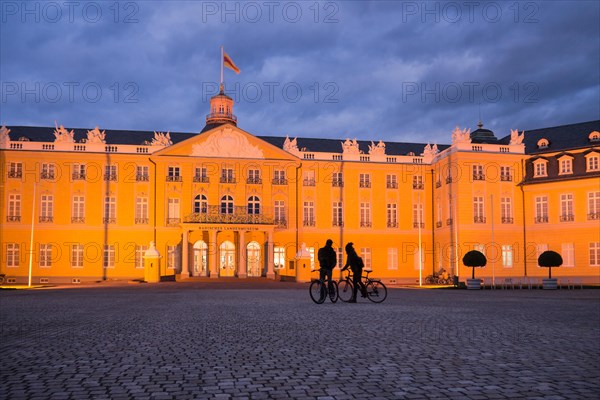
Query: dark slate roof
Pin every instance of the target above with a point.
(483, 135)
(561, 138)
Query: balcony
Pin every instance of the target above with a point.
(479, 220)
(309, 182)
(541, 220)
(279, 181)
(142, 178)
(449, 221)
(448, 180)
(478, 177)
(254, 181)
(364, 184)
(109, 220)
(47, 175)
(391, 185)
(337, 223)
(438, 184)
(13, 218)
(201, 179)
(438, 224)
(15, 174)
(174, 178)
(46, 219)
(238, 215)
(567, 218)
(365, 224)
(173, 221)
(418, 186)
(310, 222)
(221, 115)
(280, 222)
(419, 225)
(392, 224)
(110, 177)
(78, 176)
(506, 178)
(78, 220)
(142, 221)
(507, 220)
(227, 179)
(593, 216)
(337, 183)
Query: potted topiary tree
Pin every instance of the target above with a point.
(474, 259)
(550, 259)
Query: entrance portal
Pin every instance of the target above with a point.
(200, 259)
(227, 259)
(254, 261)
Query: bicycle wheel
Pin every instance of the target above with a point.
(345, 290)
(376, 291)
(334, 294)
(317, 292)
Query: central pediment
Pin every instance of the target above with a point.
(227, 142)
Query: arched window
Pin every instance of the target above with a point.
(543, 143)
(253, 205)
(200, 204)
(226, 204)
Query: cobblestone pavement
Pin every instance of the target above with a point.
(197, 340)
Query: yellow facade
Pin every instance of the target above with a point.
(225, 203)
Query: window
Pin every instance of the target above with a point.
(565, 165)
(173, 257)
(279, 177)
(592, 162)
(47, 208)
(365, 215)
(338, 180)
(309, 213)
(45, 255)
(76, 258)
(392, 258)
(566, 208)
(507, 256)
(568, 254)
(109, 256)
(48, 171)
(254, 176)
(201, 175)
(200, 204)
(278, 257)
(505, 174)
(392, 215)
(539, 168)
(110, 210)
(78, 172)
(78, 209)
(311, 251)
(480, 248)
(141, 210)
(227, 175)
(139, 255)
(418, 182)
(506, 210)
(172, 210)
(478, 174)
(340, 257)
(364, 180)
(366, 256)
(15, 170)
(174, 174)
(309, 178)
(253, 205)
(337, 214)
(142, 173)
(478, 210)
(594, 205)
(541, 209)
(13, 254)
(418, 216)
(227, 205)
(391, 181)
(14, 208)
(280, 213)
(595, 254)
(110, 173)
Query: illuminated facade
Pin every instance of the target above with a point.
(226, 203)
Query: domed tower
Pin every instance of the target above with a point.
(221, 111)
(482, 135)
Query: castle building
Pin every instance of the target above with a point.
(84, 204)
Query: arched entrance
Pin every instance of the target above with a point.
(254, 259)
(200, 267)
(226, 259)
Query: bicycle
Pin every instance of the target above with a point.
(319, 290)
(439, 278)
(374, 288)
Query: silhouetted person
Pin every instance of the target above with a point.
(327, 261)
(356, 265)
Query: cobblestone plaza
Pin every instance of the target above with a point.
(268, 340)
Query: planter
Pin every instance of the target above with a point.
(550, 284)
(474, 284)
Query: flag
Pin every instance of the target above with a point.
(228, 62)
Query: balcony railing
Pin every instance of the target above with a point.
(280, 222)
(110, 177)
(227, 179)
(47, 175)
(15, 174)
(419, 225)
(392, 224)
(506, 178)
(337, 223)
(541, 220)
(201, 179)
(507, 220)
(173, 221)
(141, 221)
(45, 219)
(279, 181)
(78, 220)
(78, 176)
(109, 220)
(391, 185)
(364, 184)
(567, 218)
(219, 115)
(310, 222)
(13, 218)
(449, 221)
(479, 220)
(142, 178)
(593, 216)
(254, 181)
(337, 183)
(418, 186)
(438, 224)
(309, 182)
(478, 177)
(174, 178)
(365, 224)
(438, 184)
(238, 215)
(448, 180)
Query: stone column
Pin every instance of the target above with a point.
(185, 250)
(213, 249)
(242, 271)
(270, 256)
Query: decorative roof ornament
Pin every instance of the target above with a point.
(95, 136)
(515, 137)
(161, 139)
(430, 150)
(350, 147)
(291, 146)
(461, 136)
(377, 149)
(4, 136)
(227, 142)
(62, 135)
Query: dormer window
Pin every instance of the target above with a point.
(592, 162)
(543, 143)
(594, 136)
(540, 168)
(565, 165)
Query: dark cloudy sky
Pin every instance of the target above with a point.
(391, 70)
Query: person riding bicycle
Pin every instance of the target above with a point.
(327, 261)
(356, 265)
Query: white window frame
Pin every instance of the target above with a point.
(45, 253)
(594, 253)
(507, 256)
(13, 255)
(392, 258)
(568, 254)
(76, 258)
(108, 256)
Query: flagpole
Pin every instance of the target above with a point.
(221, 86)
